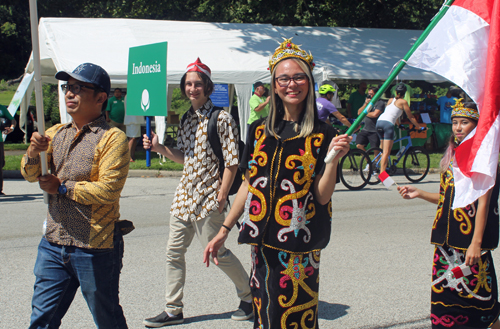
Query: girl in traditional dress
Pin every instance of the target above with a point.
(286, 196)
(462, 236)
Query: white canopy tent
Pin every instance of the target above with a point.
(236, 53)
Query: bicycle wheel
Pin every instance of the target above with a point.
(374, 154)
(416, 164)
(350, 169)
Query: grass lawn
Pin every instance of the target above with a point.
(13, 162)
(16, 146)
(6, 97)
(140, 162)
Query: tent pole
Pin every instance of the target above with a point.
(38, 86)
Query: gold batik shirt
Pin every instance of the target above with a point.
(196, 195)
(93, 163)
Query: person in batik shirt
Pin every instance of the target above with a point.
(199, 204)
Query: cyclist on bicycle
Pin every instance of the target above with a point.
(325, 106)
(386, 121)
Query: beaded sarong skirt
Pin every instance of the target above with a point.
(467, 302)
(285, 289)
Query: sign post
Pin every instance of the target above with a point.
(147, 84)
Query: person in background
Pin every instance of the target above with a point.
(369, 132)
(445, 104)
(82, 245)
(335, 99)
(259, 104)
(115, 112)
(133, 130)
(325, 106)
(386, 121)
(7, 125)
(356, 100)
(462, 237)
(285, 198)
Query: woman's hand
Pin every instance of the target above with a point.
(341, 143)
(150, 144)
(473, 254)
(213, 246)
(408, 192)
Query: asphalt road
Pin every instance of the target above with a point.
(375, 273)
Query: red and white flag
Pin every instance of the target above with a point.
(386, 179)
(464, 47)
(461, 271)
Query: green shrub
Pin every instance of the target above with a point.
(51, 103)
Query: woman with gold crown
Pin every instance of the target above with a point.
(286, 196)
(464, 284)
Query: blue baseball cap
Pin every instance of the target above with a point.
(90, 73)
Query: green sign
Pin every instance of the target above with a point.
(147, 80)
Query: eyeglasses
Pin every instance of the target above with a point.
(75, 88)
(299, 80)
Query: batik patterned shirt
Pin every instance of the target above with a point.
(196, 195)
(93, 162)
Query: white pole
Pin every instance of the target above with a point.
(38, 86)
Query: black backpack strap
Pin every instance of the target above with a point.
(213, 136)
(184, 117)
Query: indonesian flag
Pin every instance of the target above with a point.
(461, 271)
(464, 47)
(386, 179)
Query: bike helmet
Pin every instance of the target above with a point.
(325, 89)
(401, 89)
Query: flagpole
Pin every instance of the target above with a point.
(38, 86)
(401, 64)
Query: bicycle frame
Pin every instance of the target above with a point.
(377, 159)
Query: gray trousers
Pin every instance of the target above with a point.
(181, 235)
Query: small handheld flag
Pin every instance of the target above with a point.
(386, 179)
(464, 270)
(461, 271)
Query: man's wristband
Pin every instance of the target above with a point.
(227, 228)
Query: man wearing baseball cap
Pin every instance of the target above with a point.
(82, 245)
(199, 204)
(259, 103)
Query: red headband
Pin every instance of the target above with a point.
(198, 66)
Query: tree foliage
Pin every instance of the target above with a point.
(15, 35)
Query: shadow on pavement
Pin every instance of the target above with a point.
(328, 311)
(20, 197)
(207, 317)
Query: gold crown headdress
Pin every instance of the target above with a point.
(459, 110)
(288, 49)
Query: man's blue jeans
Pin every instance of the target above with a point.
(60, 270)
